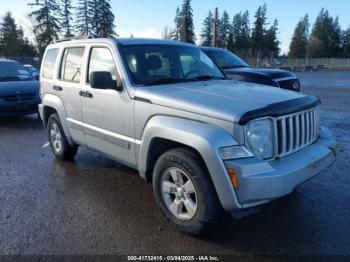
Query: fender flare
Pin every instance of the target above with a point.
(53, 101)
(205, 138)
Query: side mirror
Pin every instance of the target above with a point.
(104, 80)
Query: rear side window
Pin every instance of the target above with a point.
(72, 64)
(49, 63)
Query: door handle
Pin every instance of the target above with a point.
(57, 88)
(85, 94)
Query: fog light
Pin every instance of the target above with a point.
(232, 174)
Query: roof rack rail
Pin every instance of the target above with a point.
(74, 38)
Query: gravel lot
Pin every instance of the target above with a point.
(96, 206)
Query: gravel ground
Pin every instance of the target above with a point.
(94, 206)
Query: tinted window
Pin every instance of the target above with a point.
(49, 63)
(162, 64)
(101, 59)
(225, 59)
(72, 62)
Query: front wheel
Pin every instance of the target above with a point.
(184, 192)
(58, 141)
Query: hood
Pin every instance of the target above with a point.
(231, 101)
(13, 87)
(270, 73)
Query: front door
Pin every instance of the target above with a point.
(108, 114)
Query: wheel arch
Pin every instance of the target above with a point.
(165, 132)
(54, 104)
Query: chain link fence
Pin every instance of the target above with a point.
(302, 65)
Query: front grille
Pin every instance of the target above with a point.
(18, 97)
(289, 84)
(296, 131)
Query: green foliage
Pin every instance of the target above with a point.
(257, 41)
(325, 39)
(224, 30)
(102, 18)
(66, 18)
(186, 23)
(12, 42)
(177, 25)
(46, 24)
(345, 43)
(240, 34)
(207, 30)
(271, 41)
(82, 18)
(297, 48)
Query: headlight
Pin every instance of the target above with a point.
(259, 138)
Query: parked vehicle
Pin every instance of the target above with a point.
(165, 109)
(19, 92)
(236, 69)
(34, 72)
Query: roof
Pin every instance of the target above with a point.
(207, 48)
(8, 60)
(119, 41)
(149, 41)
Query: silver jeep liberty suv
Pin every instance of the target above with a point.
(163, 108)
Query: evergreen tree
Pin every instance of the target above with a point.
(271, 41)
(83, 19)
(207, 30)
(46, 24)
(66, 18)
(186, 23)
(102, 18)
(177, 25)
(224, 30)
(240, 34)
(297, 48)
(259, 32)
(345, 43)
(326, 30)
(12, 41)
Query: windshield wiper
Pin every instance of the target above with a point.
(167, 81)
(208, 77)
(233, 66)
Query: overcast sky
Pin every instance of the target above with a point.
(147, 18)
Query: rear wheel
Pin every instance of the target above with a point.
(58, 141)
(184, 191)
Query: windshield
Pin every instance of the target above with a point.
(225, 59)
(165, 64)
(13, 71)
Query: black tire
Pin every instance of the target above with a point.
(65, 151)
(208, 209)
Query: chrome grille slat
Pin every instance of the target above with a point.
(295, 131)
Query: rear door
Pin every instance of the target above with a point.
(68, 87)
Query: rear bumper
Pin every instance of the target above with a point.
(262, 181)
(7, 109)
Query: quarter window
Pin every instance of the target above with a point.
(49, 63)
(72, 64)
(101, 59)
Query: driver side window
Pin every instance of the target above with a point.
(101, 59)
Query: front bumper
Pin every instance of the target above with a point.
(9, 109)
(260, 181)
